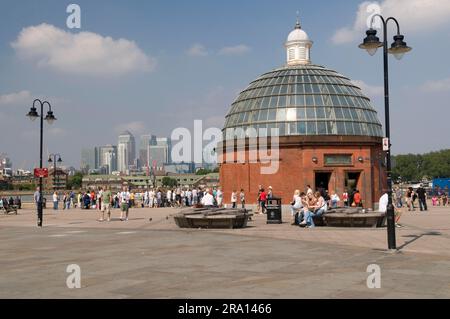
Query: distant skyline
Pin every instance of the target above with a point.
(150, 67)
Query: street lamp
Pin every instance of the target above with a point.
(54, 161)
(50, 118)
(398, 48)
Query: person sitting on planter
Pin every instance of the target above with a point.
(314, 211)
(207, 199)
(296, 206)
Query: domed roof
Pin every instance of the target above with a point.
(303, 100)
(297, 35)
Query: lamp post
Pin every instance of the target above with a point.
(50, 118)
(52, 159)
(398, 49)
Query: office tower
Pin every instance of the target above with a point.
(126, 151)
(87, 159)
(159, 153)
(108, 158)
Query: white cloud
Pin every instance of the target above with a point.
(197, 50)
(22, 97)
(413, 16)
(135, 127)
(437, 86)
(84, 53)
(235, 50)
(57, 132)
(370, 90)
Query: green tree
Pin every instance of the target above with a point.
(413, 167)
(169, 182)
(202, 171)
(75, 181)
(25, 187)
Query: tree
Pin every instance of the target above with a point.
(76, 181)
(202, 171)
(412, 167)
(169, 182)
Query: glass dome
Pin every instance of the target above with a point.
(303, 100)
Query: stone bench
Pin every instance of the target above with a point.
(351, 217)
(212, 218)
(10, 209)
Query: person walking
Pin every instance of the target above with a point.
(99, 198)
(422, 195)
(64, 200)
(151, 198)
(398, 196)
(72, 199)
(409, 198)
(55, 201)
(79, 197)
(233, 199)
(106, 204)
(146, 198)
(194, 197)
(37, 197)
(158, 198)
(68, 201)
(258, 200)
(262, 200)
(124, 201)
(131, 201)
(345, 198)
(242, 198)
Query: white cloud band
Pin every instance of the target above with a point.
(84, 53)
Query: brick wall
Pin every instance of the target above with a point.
(297, 169)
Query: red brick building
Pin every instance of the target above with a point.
(328, 133)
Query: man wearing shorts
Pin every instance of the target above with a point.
(124, 203)
(106, 204)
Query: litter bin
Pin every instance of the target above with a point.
(273, 208)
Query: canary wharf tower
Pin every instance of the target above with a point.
(329, 133)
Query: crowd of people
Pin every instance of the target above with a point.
(104, 200)
(417, 198)
(304, 206)
(309, 204)
(5, 202)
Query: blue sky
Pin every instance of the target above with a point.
(186, 60)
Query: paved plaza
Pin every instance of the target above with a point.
(149, 257)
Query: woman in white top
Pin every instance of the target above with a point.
(208, 199)
(55, 201)
(234, 199)
(296, 205)
(335, 200)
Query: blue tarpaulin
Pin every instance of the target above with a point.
(441, 183)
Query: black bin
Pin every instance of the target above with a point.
(273, 208)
